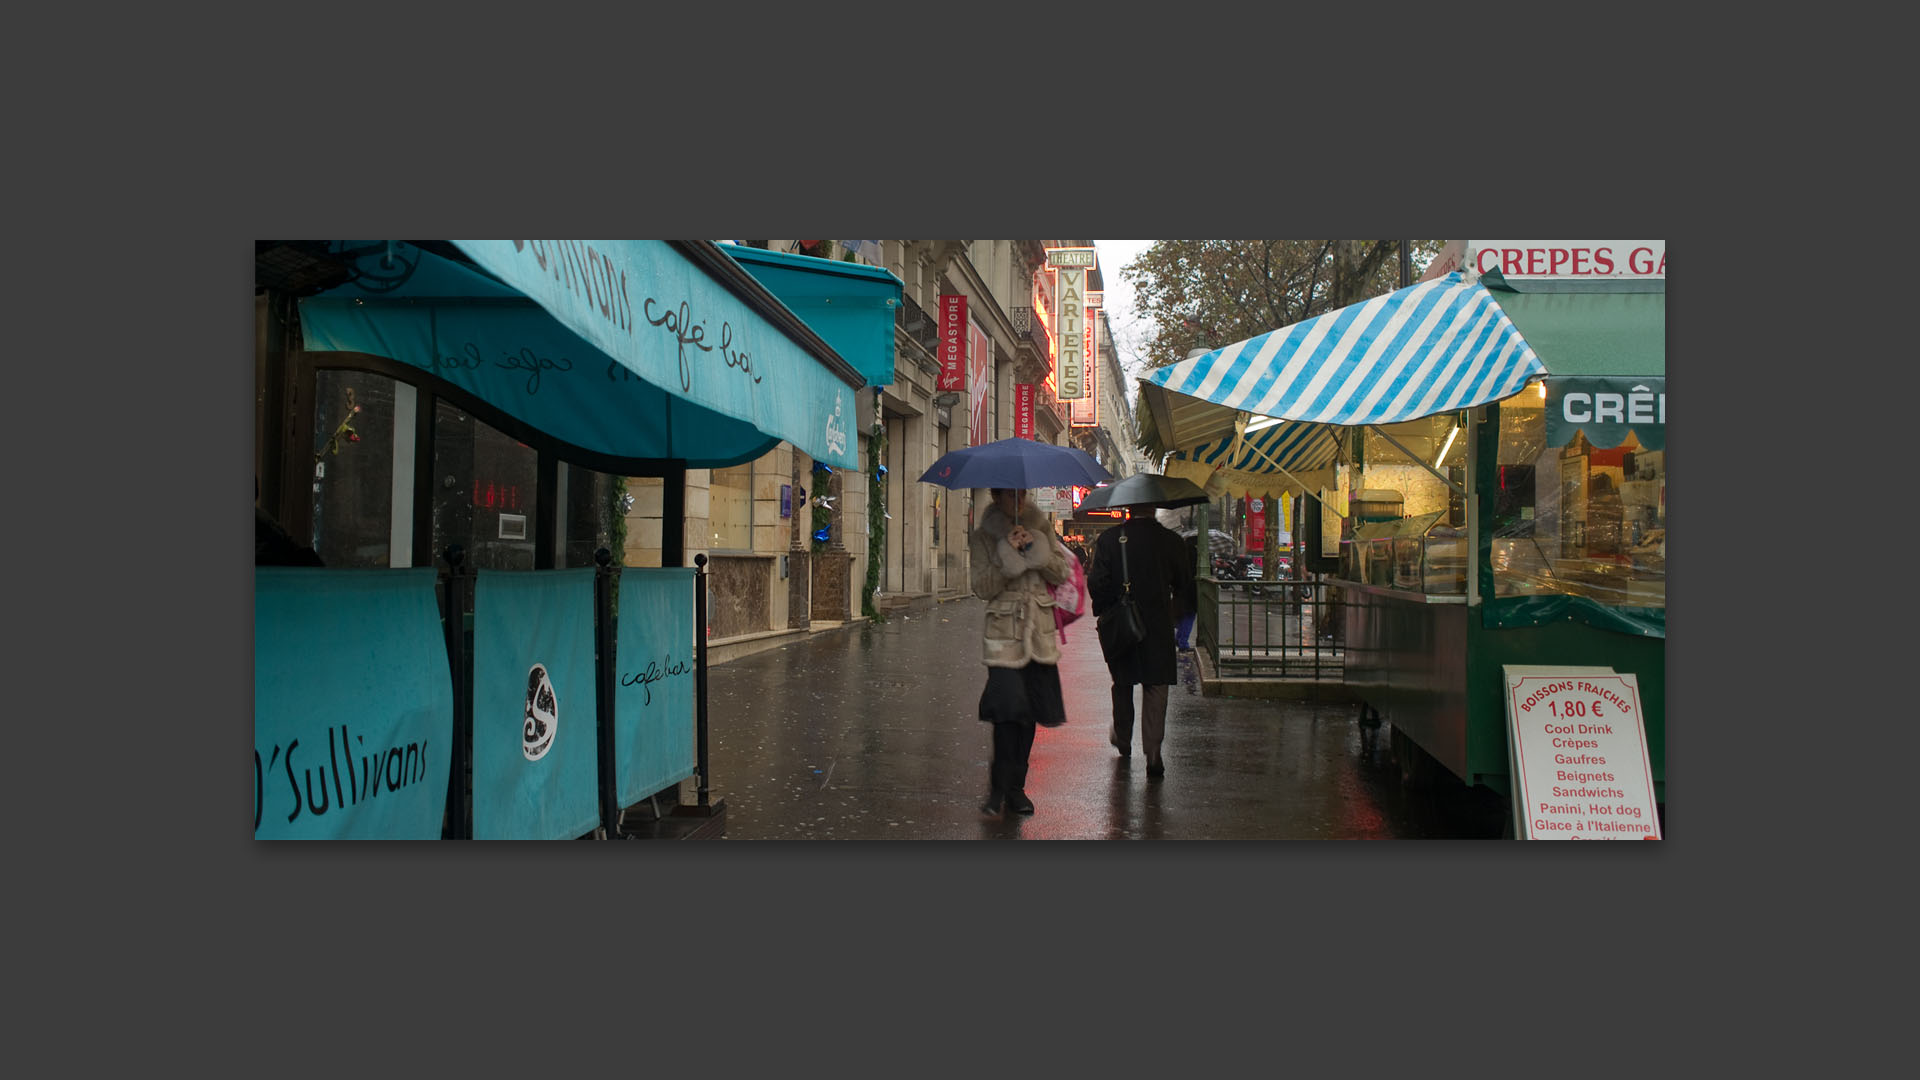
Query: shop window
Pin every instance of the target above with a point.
(1576, 519)
(485, 491)
(353, 468)
(730, 508)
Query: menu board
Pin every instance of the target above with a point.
(1579, 748)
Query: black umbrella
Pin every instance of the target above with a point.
(1146, 489)
(1016, 463)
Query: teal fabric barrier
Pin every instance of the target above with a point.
(654, 688)
(352, 705)
(535, 720)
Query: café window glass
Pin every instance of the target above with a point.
(485, 491)
(353, 484)
(587, 515)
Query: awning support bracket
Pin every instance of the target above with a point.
(1417, 460)
(1283, 472)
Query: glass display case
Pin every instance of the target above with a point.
(1576, 519)
(1418, 554)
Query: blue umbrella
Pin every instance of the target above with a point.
(1016, 463)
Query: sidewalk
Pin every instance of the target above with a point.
(869, 732)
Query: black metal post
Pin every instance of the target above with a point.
(606, 578)
(459, 824)
(705, 806)
(700, 674)
(1406, 264)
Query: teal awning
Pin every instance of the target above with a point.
(850, 305)
(641, 349)
(1589, 333)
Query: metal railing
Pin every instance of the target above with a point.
(1274, 629)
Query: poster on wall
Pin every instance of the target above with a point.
(980, 380)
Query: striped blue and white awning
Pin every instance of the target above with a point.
(1293, 447)
(1430, 348)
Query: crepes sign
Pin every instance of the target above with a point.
(1606, 408)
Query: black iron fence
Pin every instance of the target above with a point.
(1273, 629)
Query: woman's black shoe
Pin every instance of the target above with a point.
(1019, 803)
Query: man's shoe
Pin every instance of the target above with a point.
(996, 801)
(1018, 803)
(1156, 769)
(1124, 746)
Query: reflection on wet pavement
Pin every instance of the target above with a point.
(870, 732)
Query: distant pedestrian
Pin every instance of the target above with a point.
(1160, 569)
(1016, 557)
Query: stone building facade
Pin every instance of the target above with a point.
(769, 577)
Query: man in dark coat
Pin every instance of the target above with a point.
(1161, 572)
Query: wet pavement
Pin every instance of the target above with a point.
(869, 732)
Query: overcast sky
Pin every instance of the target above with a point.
(1130, 330)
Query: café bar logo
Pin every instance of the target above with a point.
(542, 715)
(836, 433)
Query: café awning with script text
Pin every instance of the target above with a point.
(631, 349)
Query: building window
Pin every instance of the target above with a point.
(730, 508)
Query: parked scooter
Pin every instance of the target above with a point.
(1229, 569)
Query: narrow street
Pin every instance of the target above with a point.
(869, 732)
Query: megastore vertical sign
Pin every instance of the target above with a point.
(953, 342)
(1023, 410)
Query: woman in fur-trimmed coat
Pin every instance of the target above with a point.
(1016, 558)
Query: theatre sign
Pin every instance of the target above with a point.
(1071, 266)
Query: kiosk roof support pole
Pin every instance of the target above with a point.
(1457, 489)
(1304, 488)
